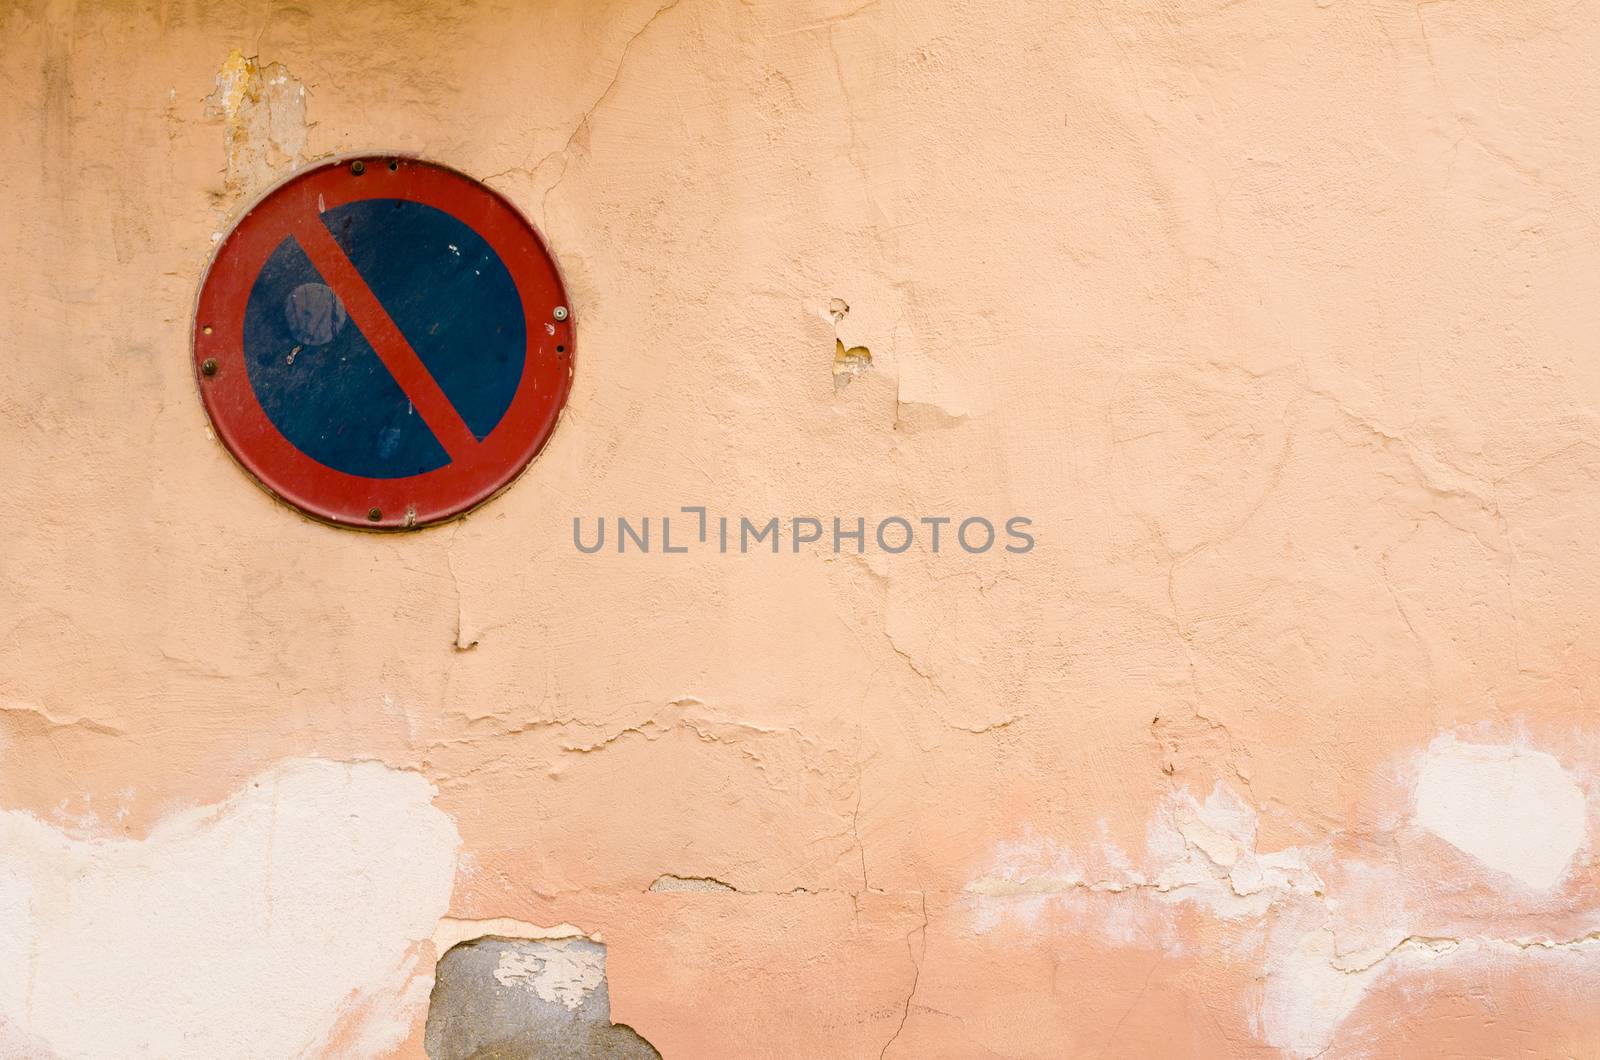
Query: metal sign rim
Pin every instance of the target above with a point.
(312, 488)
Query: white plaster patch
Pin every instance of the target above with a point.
(561, 973)
(1205, 853)
(1311, 988)
(1195, 852)
(1515, 810)
(1306, 995)
(250, 928)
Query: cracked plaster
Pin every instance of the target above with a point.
(1277, 321)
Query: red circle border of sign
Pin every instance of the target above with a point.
(312, 487)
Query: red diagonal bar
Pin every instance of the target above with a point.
(339, 273)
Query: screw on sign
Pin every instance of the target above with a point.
(383, 343)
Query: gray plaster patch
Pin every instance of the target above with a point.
(517, 999)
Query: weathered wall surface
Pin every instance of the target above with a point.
(1277, 318)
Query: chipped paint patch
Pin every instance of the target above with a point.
(1200, 852)
(1311, 988)
(452, 931)
(526, 997)
(263, 111)
(1515, 810)
(559, 972)
(849, 363)
(669, 882)
(1306, 994)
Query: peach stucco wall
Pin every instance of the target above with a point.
(1277, 318)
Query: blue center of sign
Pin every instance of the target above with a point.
(319, 380)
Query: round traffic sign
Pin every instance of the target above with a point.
(383, 342)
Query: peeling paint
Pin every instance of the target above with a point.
(702, 884)
(1277, 319)
(1204, 854)
(849, 363)
(257, 925)
(559, 972)
(521, 997)
(263, 113)
(452, 931)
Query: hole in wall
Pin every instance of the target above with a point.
(509, 997)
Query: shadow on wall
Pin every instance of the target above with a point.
(500, 998)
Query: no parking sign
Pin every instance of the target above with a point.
(383, 342)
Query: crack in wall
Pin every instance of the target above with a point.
(705, 884)
(1204, 854)
(582, 126)
(917, 957)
